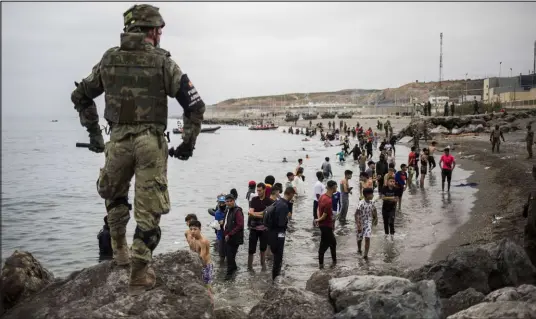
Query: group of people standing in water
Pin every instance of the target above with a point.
(270, 205)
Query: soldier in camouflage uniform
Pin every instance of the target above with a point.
(137, 77)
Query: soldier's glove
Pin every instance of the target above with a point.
(183, 152)
(96, 142)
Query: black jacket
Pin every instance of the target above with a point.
(236, 238)
(105, 241)
(382, 168)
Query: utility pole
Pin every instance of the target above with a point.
(464, 98)
(440, 58)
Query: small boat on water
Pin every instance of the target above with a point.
(263, 127)
(179, 129)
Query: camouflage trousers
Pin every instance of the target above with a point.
(144, 156)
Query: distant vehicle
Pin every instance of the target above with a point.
(328, 115)
(345, 115)
(310, 116)
(292, 117)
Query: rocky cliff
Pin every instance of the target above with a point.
(420, 91)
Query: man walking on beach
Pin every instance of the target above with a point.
(529, 139)
(137, 77)
(495, 138)
(475, 107)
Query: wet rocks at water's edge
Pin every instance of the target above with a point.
(489, 281)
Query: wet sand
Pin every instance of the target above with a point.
(504, 182)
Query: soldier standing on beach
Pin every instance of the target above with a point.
(529, 139)
(137, 77)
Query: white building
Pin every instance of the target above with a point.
(438, 100)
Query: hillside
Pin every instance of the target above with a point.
(418, 91)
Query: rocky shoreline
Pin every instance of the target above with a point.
(456, 125)
(496, 280)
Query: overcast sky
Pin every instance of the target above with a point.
(234, 50)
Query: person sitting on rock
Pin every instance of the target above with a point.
(105, 241)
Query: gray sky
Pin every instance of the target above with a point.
(248, 49)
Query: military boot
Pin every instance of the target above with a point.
(120, 249)
(142, 277)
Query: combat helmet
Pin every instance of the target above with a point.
(143, 15)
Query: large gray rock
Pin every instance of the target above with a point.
(229, 312)
(478, 121)
(319, 280)
(525, 293)
(513, 266)
(22, 276)
(468, 267)
(285, 302)
(484, 268)
(384, 297)
(498, 310)
(460, 301)
(101, 292)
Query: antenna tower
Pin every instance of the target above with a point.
(534, 65)
(440, 58)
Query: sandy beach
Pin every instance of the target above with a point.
(504, 182)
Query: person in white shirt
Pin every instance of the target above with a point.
(318, 190)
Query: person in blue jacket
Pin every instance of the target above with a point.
(219, 216)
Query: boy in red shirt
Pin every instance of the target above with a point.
(325, 221)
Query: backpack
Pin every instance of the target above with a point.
(268, 216)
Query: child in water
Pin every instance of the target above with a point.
(365, 217)
(341, 156)
(201, 245)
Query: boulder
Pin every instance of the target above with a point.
(484, 268)
(286, 302)
(468, 267)
(479, 128)
(513, 266)
(525, 293)
(456, 131)
(478, 121)
(22, 276)
(100, 292)
(384, 297)
(319, 280)
(498, 310)
(439, 130)
(229, 312)
(460, 301)
(510, 118)
(505, 128)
